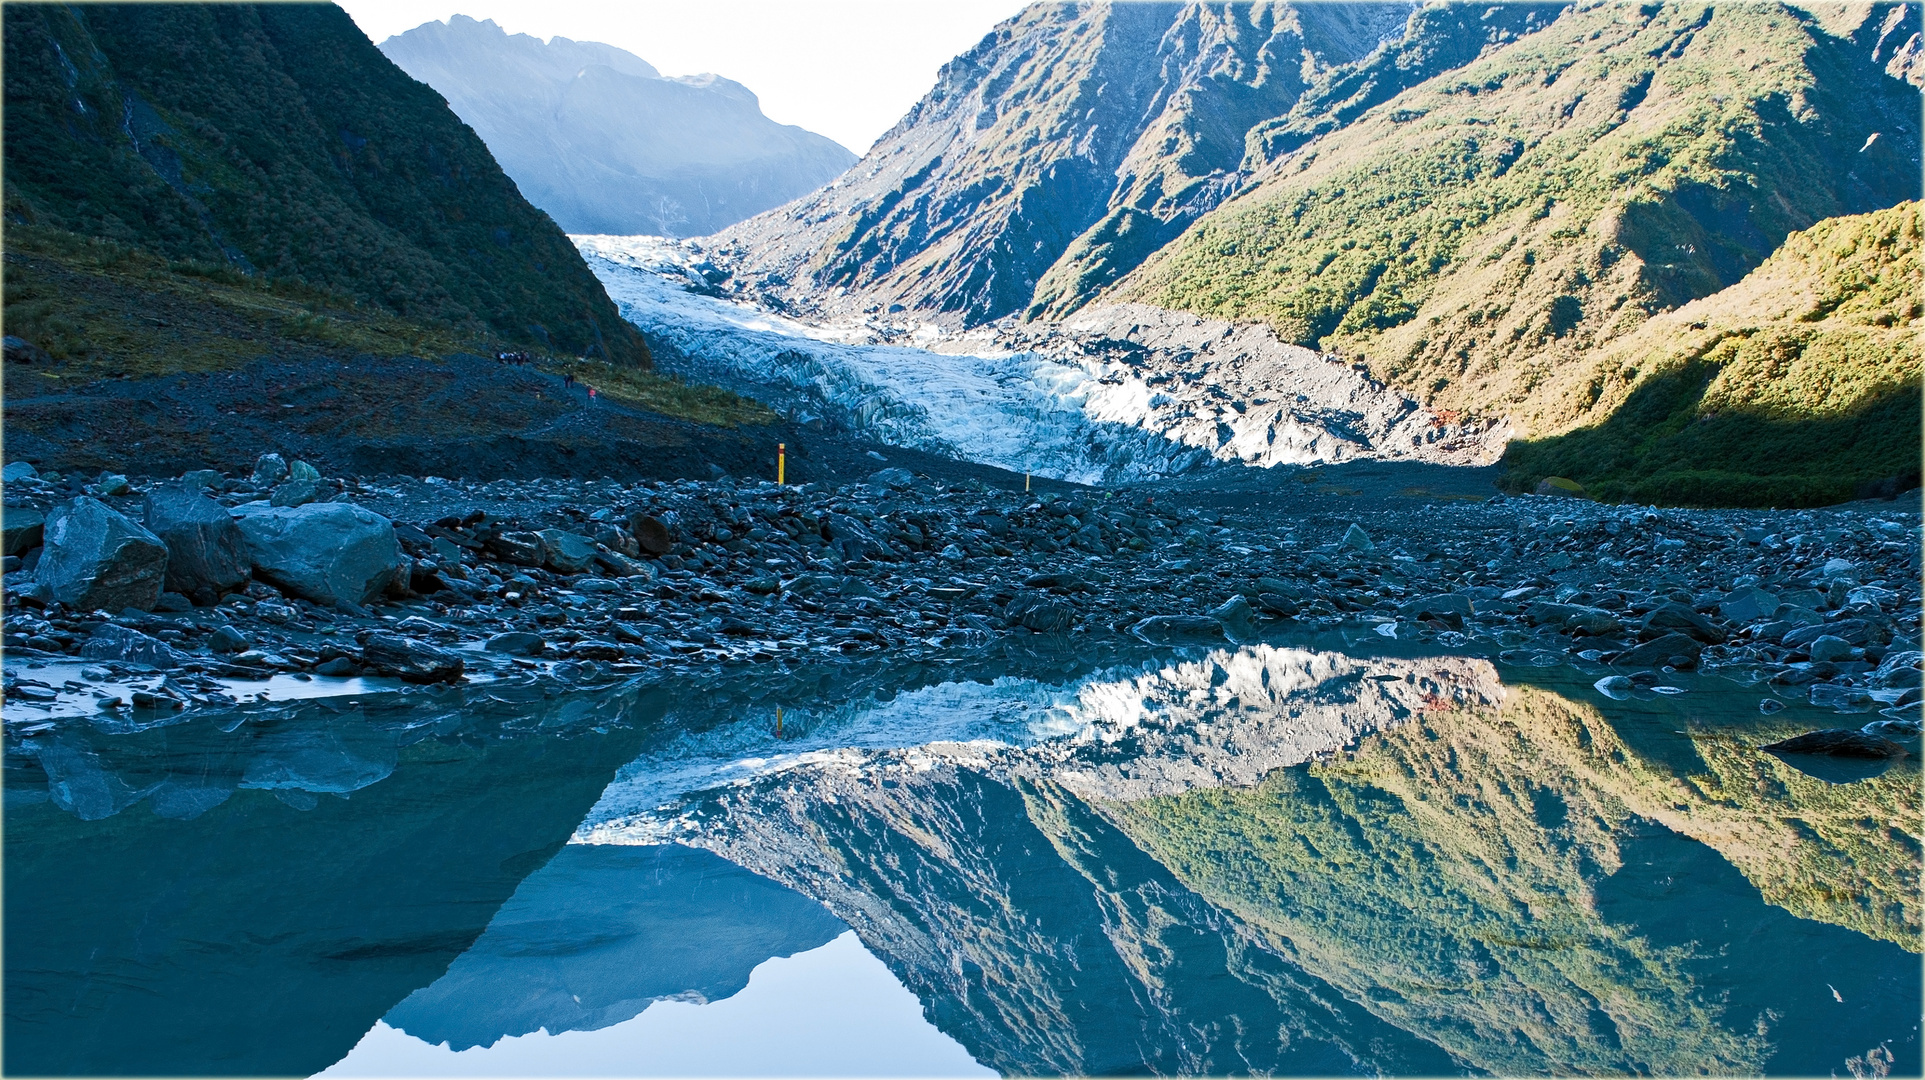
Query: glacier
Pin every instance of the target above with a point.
(1114, 395)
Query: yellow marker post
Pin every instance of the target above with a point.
(781, 463)
(1025, 481)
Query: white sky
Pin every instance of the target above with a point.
(847, 69)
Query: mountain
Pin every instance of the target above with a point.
(1796, 386)
(273, 148)
(1075, 139)
(599, 139)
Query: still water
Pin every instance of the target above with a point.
(1314, 857)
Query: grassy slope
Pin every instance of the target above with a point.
(278, 143)
(1798, 385)
(1478, 237)
(1472, 837)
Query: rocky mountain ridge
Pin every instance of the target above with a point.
(599, 139)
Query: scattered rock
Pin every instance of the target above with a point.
(520, 548)
(565, 552)
(328, 553)
(301, 470)
(95, 558)
(269, 469)
(1043, 614)
(115, 642)
(1665, 650)
(1837, 742)
(23, 529)
(516, 643)
(18, 470)
(226, 639)
(1158, 629)
(1238, 621)
(652, 534)
(1826, 647)
(1357, 539)
(410, 660)
(295, 493)
(206, 553)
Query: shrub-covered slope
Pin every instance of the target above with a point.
(274, 142)
(1480, 237)
(1797, 386)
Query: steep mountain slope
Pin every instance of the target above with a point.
(595, 136)
(273, 147)
(1478, 237)
(1805, 373)
(1094, 129)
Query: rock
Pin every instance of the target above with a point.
(1677, 618)
(206, 553)
(115, 642)
(892, 477)
(339, 666)
(109, 484)
(295, 493)
(226, 639)
(1837, 742)
(1043, 614)
(23, 529)
(1162, 628)
(520, 548)
(762, 584)
(1827, 647)
(1238, 621)
(622, 566)
(200, 478)
(1615, 687)
(566, 553)
(301, 470)
(1278, 604)
(1664, 650)
(173, 601)
(95, 558)
(1838, 568)
(1356, 538)
(1452, 608)
(18, 470)
(1854, 631)
(516, 643)
(1749, 605)
(1895, 730)
(1558, 485)
(269, 469)
(1770, 706)
(1900, 668)
(651, 533)
(332, 554)
(410, 660)
(21, 351)
(952, 553)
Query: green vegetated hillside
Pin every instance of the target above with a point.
(1480, 238)
(1797, 386)
(269, 177)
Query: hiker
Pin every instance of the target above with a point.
(568, 380)
(591, 395)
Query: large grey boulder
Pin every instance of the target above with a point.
(328, 553)
(96, 558)
(24, 528)
(206, 553)
(565, 552)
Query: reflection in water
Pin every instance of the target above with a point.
(1266, 859)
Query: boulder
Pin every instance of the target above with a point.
(301, 470)
(409, 660)
(1829, 647)
(200, 478)
(329, 553)
(18, 470)
(1452, 608)
(110, 484)
(1563, 486)
(21, 351)
(1749, 605)
(206, 553)
(892, 477)
(1043, 614)
(115, 642)
(226, 639)
(651, 533)
(566, 553)
(1162, 628)
(23, 529)
(520, 548)
(295, 493)
(622, 566)
(1837, 742)
(516, 643)
(1679, 619)
(1238, 621)
(96, 558)
(1668, 649)
(1853, 631)
(1357, 539)
(269, 469)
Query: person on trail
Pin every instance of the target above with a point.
(568, 380)
(591, 395)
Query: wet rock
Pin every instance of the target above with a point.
(23, 528)
(1452, 608)
(516, 643)
(96, 558)
(1357, 539)
(1749, 605)
(892, 477)
(269, 469)
(296, 493)
(1668, 649)
(1852, 631)
(1238, 621)
(1899, 668)
(199, 479)
(1770, 706)
(651, 534)
(173, 601)
(1827, 647)
(328, 553)
(1616, 687)
(206, 552)
(520, 548)
(1675, 618)
(622, 566)
(109, 485)
(1043, 614)
(301, 471)
(565, 552)
(1165, 628)
(338, 666)
(410, 660)
(226, 639)
(116, 642)
(18, 470)
(1837, 742)
(1278, 604)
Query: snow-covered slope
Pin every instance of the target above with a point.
(1116, 394)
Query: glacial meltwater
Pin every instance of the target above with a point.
(1327, 855)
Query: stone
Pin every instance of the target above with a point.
(565, 552)
(1615, 687)
(952, 553)
(332, 554)
(622, 566)
(206, 553)
(1357, 539)
(95, 557)
(23, 529)
(115, 642)
(516, 643)
(200, 478)
(892, 477)
(762, 584)
(18, 470)
(1837, 742)
(19, 350)
(110, 484)
(1854, 631)
(1561, 486)
(1452, 608)
(1749, 605)
(1278, 604)
(301, 470)
(339, 666)
(520, 548)
(1677, 618)
(295, 493)
(410, 660)
(651, 533)
(1238, 621)
(173, 601)
(226, 639)
(269, 469)
(1661, 651)
(1163, 628)
(1041, 613)
(1838, 568)
(1828, 647)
